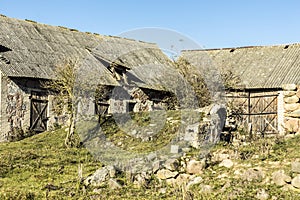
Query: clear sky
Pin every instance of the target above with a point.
(211, 23)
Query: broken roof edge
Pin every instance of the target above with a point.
(253, 89)
(98, 56)
(241, 47)
(129, 39)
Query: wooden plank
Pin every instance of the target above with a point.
(247, 114)
(270, 124)
(259, 109)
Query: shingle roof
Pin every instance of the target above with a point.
(257, 66)
(36, 49)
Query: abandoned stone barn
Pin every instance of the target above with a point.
(143, 71)
(258, 100)
(29, 53)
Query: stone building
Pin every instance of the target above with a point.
(30, 51)
(143, 72)
(257, 100)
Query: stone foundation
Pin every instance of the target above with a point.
(291, 94)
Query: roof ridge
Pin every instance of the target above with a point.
(130, 39)
(242, 47)
(75, 30)
(40, 23)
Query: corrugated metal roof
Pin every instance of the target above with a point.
(257, 66)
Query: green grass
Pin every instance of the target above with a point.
(41, 167)
(141, 122)
(163, 131)
(28, 166)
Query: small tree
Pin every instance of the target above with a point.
(196, 80)
(63, 87)
(230, 80)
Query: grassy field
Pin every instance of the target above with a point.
(41, 167)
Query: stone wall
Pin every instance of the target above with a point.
(291, 93)
(207, 131)
(15, 108)
(128, 99)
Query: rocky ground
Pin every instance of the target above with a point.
(257, 169)
(40, 167)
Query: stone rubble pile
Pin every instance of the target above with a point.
(184, 171)
(175, 172)
(291, 181)
(187, 171)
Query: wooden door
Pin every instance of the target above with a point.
(38, 112)
(258, 109)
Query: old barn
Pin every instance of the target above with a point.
(258, 100)
(143, 71)
(29, 52)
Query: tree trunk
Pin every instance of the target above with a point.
(69, 141)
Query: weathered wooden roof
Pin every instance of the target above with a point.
(37, 48)
(257, 66)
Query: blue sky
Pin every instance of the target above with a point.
(210, 23)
